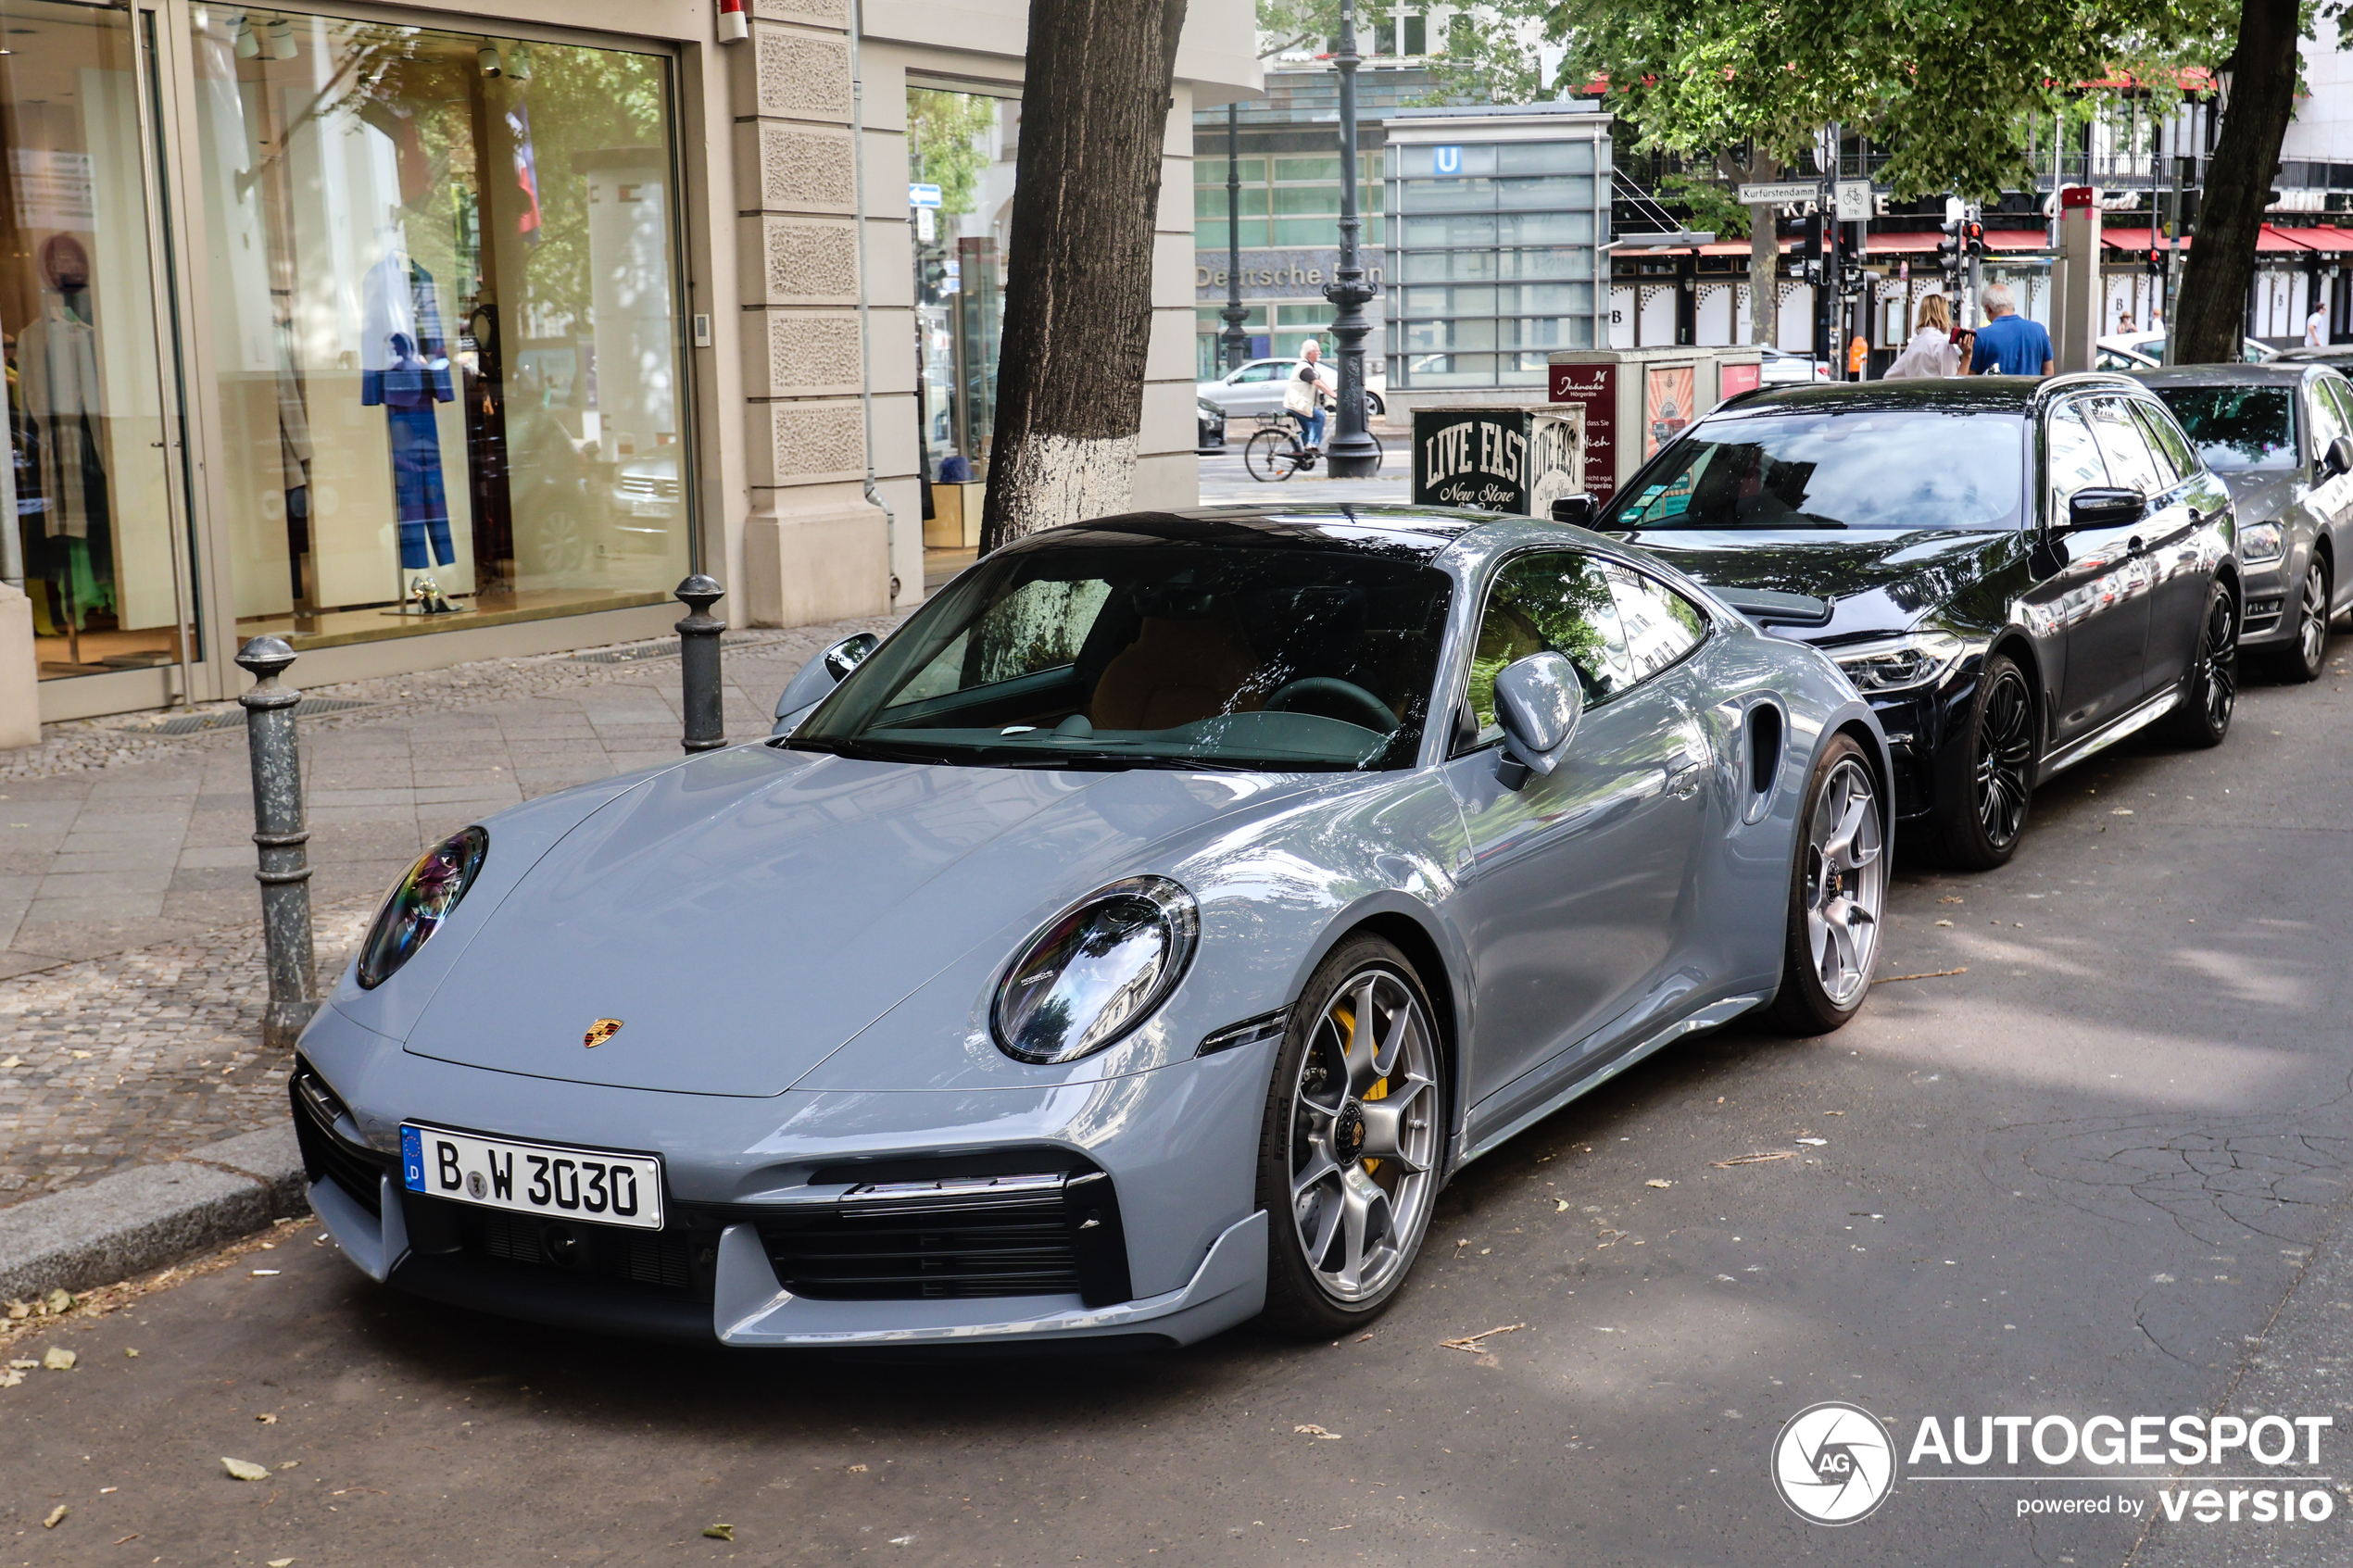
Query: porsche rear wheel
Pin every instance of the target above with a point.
(1837, 890)
(1348, 1160)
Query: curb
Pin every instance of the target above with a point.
(150, 1216)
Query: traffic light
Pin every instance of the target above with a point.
(2155, 262)
(1973, 238)
(1811, 252)
(1948, 249)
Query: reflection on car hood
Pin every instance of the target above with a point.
(1877, 580)
(2259, 494)
(745, 914)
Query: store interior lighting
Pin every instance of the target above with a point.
(488, 55)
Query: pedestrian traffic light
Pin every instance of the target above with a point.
(1948, 249)
(2155, 262)
(1973, 238)
(1812, 251)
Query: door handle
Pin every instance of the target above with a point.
(1682, 775)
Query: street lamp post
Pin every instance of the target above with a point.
(1353, 453)
(1235, 341)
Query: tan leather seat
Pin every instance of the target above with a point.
(1175, 672)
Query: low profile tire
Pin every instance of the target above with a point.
(1985, 774)
(2304, 659)
(2210, 691)
(1837, 888)
(1348, 1160)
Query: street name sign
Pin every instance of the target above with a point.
(1782, 195)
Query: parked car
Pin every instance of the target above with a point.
(2116, 356)
(2150, 346)
(1257, 388)
(2016, 573)
(2337, 356)
(2281, 437)
(1138, 938)
(1209, 422)
(1783, 369)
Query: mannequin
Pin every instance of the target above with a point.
(57, 373)
(404, 366)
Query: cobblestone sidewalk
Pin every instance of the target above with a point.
(130, 973)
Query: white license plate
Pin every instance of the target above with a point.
(648, 508)
(532, 1178)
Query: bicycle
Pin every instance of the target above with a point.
(1273, 451)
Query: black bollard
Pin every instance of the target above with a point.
(279, 833)
(698, 664)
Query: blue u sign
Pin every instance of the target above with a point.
(1450, 160)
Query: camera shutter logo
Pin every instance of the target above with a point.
(1833, 1463)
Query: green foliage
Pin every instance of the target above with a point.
(1707, 204)
(944, 144)
(1293, 24)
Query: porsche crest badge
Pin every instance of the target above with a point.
(599, 1032)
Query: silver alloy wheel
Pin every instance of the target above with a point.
(2312, 632)
(1364, 1137)
(1845, 882)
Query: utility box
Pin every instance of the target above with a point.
(1498, 458)
(1636, 399)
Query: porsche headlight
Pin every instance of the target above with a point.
(418, 905)
(1898, 664)
(2262, 542)
(1096, 970)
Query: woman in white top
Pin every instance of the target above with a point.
(1931, 352)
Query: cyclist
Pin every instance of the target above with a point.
(1309, 393)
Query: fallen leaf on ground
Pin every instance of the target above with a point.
(59, 1361)
(1944, 922)
(1305, 1430)
(1815, 1143)
(10, 1378)
(13, 1062)
(1753, 1159)
(56, 1517)
(291, 1463)
(58, 1301)
(2122, 812)
(858, 1470)
(19, 1309)
(83, 1055)
(267, 1420)
(244, 1469)
(280, 1563)
(130, 1352)
(1952, 898)
(263, 1274)
(719, 1532)
(1654, 1182)
(1560, 1205)
(1470, 1342)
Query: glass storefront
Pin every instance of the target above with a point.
(93, 538)
(965, 143)
(443, 284)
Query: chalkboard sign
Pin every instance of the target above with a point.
(1496, 460)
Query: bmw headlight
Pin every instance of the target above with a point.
(1897, 664)
(1096, 970)
(417, 906)
(2262, 542)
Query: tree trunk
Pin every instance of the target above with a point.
(1078, 265)
(2210, 315)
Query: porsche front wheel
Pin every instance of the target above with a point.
(1837, 889)
(1348, 1162)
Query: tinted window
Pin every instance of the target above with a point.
(1154, 655)
(1553, 600)
(2237, 427)
(2327, 423)
(2341, 394)
(2169, 473)
(2166, 438)
(2128, 463)
(1661, 625)
(2074, 462)
(1866, 469)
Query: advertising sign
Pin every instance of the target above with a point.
(1476, 457)
(1593, 389)
(1668, 396)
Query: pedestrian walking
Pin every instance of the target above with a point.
(1309, 393)
(2316, 328)
(1858, 355)
(2009, 345)
(1931, 352)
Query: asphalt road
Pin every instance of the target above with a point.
(2105, 1170)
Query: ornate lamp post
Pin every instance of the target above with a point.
(1353, 453)
(1233, 339)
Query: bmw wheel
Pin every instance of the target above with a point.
(2308, 655)
(1348, 1162)
(1837, 889)
(1985, 774)
(2210, 691)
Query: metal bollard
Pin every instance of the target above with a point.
(279, 834)
(698, 664)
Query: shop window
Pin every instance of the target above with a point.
(84, 496)
(444, 284)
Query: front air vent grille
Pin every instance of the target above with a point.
(329, 1140)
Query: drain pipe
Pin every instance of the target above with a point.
(865, 347)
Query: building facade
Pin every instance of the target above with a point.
(414, 342)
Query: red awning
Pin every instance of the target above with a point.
(2271, 241)
(1906, 245)
(2325, 238)
(2018, 239)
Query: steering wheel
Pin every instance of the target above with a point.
(1311, 693)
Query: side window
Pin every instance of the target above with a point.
(1552, 600)
(2074, 459)
(2128, 463)
(2156, 430)
(2340, 392)
(1661, 625)
(2328, 422)
(1258, 373)
(2166, 435)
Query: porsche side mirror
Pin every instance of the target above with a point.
(2339, 458)
(1578, 510)
(820, 676)
(2100, 507)
(1538, 701)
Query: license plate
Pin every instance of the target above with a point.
(648, 508)
(531, 1178)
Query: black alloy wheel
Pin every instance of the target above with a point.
(2308, 655)
(1985, 775)
(2211, 687)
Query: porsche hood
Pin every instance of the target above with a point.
(743, 915)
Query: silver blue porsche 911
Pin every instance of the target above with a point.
(1131, 945)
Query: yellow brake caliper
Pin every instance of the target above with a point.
(1346, 1019)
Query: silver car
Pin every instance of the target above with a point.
(1135, 941)
(1257, 388)
(2281, 436)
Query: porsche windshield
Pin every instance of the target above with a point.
(1909, 469)
(1258, 657)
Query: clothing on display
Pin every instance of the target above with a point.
(404, 366)
(57, 380)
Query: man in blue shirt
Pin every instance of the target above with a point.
(2009, 345)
